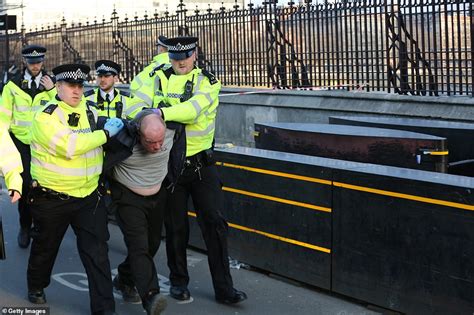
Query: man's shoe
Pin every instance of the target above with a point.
(129, 294)
(37, 297)
(235, 297)
(24, 238)
(180, 293)
(155, 303)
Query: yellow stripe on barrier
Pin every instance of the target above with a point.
(277, 199)
(406, 196)
(274, 173)
(273, 236)
(348, 186)
(439, 153)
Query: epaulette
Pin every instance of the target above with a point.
(50, 109)
(91, 104)
(210, 76)
(125, 93)
(88, 93)
(152, 73)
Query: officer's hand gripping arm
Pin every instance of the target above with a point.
(113, 126)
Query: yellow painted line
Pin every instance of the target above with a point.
(439, 153)
(277, 199)
(273, 236)
(274, 173)
(406, 196)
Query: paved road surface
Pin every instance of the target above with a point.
(67, 293)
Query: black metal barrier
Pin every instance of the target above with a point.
(398, 238)
(354, 143)
(459, 134)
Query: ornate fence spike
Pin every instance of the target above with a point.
(418, 47)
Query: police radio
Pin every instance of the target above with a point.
(91, 119)
(118, 109)
(41, 86)
(188, 91)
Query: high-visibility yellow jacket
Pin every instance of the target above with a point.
(17, 108)
(198, 113)
(142, 85)
(10, 161)
(121, 99)
(66, 158)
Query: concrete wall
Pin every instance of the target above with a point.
(241, 108)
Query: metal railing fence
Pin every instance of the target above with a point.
(418, 47)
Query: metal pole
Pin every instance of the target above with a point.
(471, 17)
(7, 45)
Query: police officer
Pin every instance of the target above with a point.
(22, 96)
(142, 85)
(67, 157)
(110, 102)
(10, 165)
(189, 95)
(10, 168)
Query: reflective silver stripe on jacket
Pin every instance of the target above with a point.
(10, 166)
(61, 116)
(67, 171)
(199, 133)
(6, 111)
(55, 139)
(71, 146)
(21, 123)
(92, 153)
(22, 108)
(144, 98)
(134, 107)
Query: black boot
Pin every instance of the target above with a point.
(180, 293)
(154, 303)
(37, 296)
(234, 297)
(129, 294)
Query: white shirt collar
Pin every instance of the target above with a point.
(111, 94)
(28, 77)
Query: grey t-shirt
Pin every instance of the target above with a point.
(143, 169)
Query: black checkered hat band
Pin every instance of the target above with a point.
(179, 47)
(106, 69)
(33, 54)
(76, 75)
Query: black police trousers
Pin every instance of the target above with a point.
(53, 215)
(204, 187)
(23, 207)
(140, 218)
